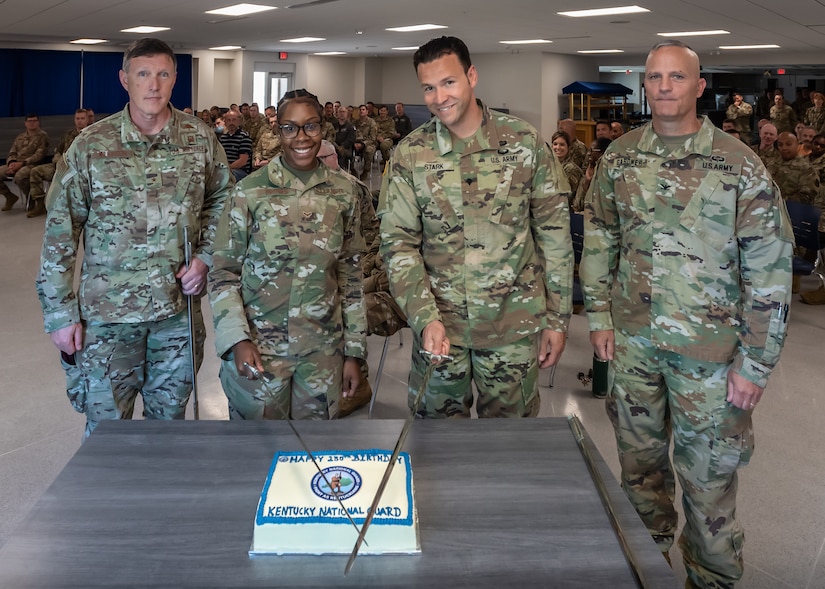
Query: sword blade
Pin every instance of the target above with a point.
(393, 459)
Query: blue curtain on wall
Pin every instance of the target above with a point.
(48, 82)
(42, 82)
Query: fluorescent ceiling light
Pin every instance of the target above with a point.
(330, 53)
(144, 29)
(601, 51)
(627, 71)
(694, 33)
(404, 48)
(525, 42)
(749, 47)
(412, 28)
(303, 40)
(226, 48)
(604, 11)
(240, 9)
(88, 41)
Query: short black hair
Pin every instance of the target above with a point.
(147, 47)
(441, 46)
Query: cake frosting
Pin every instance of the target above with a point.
(298, 512)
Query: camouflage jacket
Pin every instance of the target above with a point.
(130, 198)
(815, 118)
(741, 116)
(783, 118)
(578, 153)
(477, 234)
(67, 139)
(386, 128)
(366, 130)
(267, 146)
(254, 126)
(287, 272)
(689, 249)
(797, 179)
(29, 149)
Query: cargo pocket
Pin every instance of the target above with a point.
(733, 443)
(76, 388)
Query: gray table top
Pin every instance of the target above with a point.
(171, 504)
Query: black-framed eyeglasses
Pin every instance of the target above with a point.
(820, 145)
(290, 131)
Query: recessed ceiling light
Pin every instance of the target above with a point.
(330, 53)
(411, 28)
(241, 9)
(604, 11)
(303, 40)
(749, 47)
(226, 48)
(144, 29)
(601, 51)
(404, 48)
(525, 42)
(88, 41)
(693, 33)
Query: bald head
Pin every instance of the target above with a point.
(672, 85)
(767, 135)
(569, 127)
(691, 60)
(787, 145)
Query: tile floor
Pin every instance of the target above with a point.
(782, 492)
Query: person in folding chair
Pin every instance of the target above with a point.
(475, 233)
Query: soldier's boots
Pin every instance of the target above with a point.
(10, 200)
(38, 209)
(814, 297)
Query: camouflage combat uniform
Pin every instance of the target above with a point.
(578, 153)
(45, 172)
(783, 118)
(475, 233)
(815, 118)
(254, 126)
(687, 258)
(386, 129)
(268, 146)
(366, 131)
(30, 150)
(741, 116)
(797, 179)
(131, 197)
(287, 277)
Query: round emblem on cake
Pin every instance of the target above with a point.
(344, 482)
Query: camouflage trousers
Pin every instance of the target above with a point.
(21, 178)
(654, 396)
(39, 175)
(120, 360)
(506, 379)
(386, 149)
(308, 387)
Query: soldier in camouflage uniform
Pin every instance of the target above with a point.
(386, 131)
(286, 285)
(129, 186)
(45, 172)
(475, 235)
(28, 150)
(766, 150)
(255, 123)
(578, 150)
(782, 116)
(268, 145)
(815, 116)
(686, 275)
(366, 132)
(740, 113)
(794, 175)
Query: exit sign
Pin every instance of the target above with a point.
(284, 55)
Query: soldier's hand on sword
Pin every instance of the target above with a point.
(193, 280)
(246, 352)
(435, 341)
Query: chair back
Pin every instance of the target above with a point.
(805, 222)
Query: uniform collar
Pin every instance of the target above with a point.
(280, 175)
(129, 133)
(486, 138)
(700, 143)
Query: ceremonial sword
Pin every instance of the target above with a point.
(396, 451)
(190, 317)
(266, 377)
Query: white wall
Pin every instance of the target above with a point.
(332, 78)
(633, 80)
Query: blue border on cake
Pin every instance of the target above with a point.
(261, 519)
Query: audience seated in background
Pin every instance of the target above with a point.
(29, 149)
(344, 138)
(782, 116)
(597, 149)
(740, 113)
(766, 149)
(385, 133)
(366, 132)
(268, 145)
(815, 115)
(578, 150)
(255, 123)
(403, 125)
(616, 130)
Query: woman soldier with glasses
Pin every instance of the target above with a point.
(285, 286)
